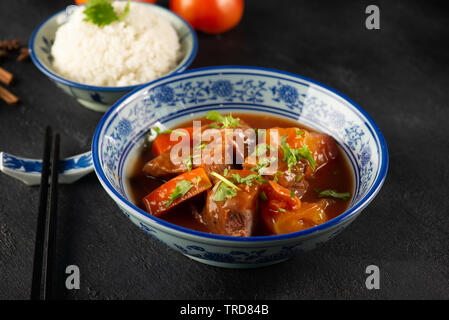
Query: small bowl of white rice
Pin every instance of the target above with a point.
(99, 64)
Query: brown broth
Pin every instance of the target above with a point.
(336, 175)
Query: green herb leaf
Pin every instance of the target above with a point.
(157, 130)
(248, 180)
(188, 162)
(167, 131)
(282, 209)
(306, 154)
(261, 150)
(276, 175)
(262, 164)
(214, 116)
(182, 187)
(125, 12)
(223, 192)
(263, 196)
(292, 194)
(292, 156)
(214, 126)
(101, 12)
(200, 146)
(230, 122)
(226, 181)
(299, 132)
(334, 194)
(226, 121)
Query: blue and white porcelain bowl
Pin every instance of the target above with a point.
(96, 97)
(179, 97)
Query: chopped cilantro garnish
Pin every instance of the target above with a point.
(224, 189)
(292, 194)
(167, 131)
(182, 187)
(334, 194)
(223, 192)
(226, 121)
(101, 12)
(248, 180)
(292, 156)
(299, 132)
(261, 150)
(177, 132)
(230, 122)
(306, 154)
(214, 116)
(200, 146)
(226, 181)
(263, 196)
(276, 175)
(262, 164)
(188, 162)
(157, 130)
(282, 209)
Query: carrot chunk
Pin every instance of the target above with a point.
(163, 143)
(176, 190)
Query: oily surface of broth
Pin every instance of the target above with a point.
(336, 175)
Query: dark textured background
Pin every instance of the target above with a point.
(399, 74)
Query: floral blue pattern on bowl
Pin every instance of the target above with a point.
(96, 97)
(179, 97)
(29, 170)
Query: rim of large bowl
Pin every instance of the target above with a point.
(54, 76)
(358, 206)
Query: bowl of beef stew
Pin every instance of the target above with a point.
(239, 166)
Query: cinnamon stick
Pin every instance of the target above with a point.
(5, 76)
(24, 54)
(7, 96)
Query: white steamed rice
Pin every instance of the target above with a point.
(141, 48)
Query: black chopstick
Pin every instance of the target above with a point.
(45, 245)
(40, 230)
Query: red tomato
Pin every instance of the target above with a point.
(309, 215)
(84, 1)
(284, 214)
(209, 16)
(323, 147)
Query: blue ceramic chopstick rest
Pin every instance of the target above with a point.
(29, 170)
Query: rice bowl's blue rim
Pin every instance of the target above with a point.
(78, 85)
(360, 205)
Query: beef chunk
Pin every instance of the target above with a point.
(236, 215)
(162, 166)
